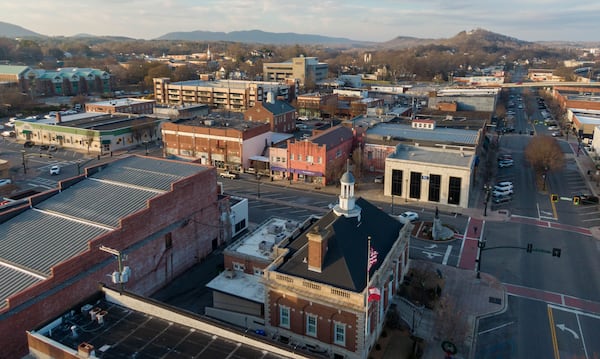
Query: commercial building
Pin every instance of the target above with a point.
(138, 222)
(14, 76)
(279, 114)
(319, 159)
(96, 329)
(98, 133)
(304, 69)
(317, 105)
(484, 100)
(231, 95)
(223, 142)
(122, 105)
(423, 162)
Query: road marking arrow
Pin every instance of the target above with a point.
(564, 327)
(431, 246)
(431, 255)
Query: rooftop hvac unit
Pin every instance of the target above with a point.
(289, 225)
(230, 274)
(93, 313)
(86, 308)
(274, 229)
(100, 316)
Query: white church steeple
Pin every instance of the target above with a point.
(346, 205)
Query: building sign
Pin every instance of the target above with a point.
(425, 178)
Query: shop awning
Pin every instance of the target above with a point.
(106, 142)
(25, 132)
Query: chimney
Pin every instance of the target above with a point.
(317, 248)
(58, 117)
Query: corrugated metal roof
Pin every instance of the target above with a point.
(99, 202)
(36, 241)
(12, 282)
(61, 226)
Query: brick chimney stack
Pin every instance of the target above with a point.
(317, 248)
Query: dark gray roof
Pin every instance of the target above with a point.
(333, 137)
(278, 107)
(345, 264)
(61, 226)
(127, 333)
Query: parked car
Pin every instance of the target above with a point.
(230, 175)
(556, 134)
(8, 134)
(52, 148)
(44, 147)
(505, 157)
(587, 199)
(5, 181)
(378, 179)
(504, 184)
(28, 144)
(303, 118)
(55, 170)
(507, 163)
(504, 193)
(552, 128)
(503, 199)
(408, 216)
(504, 188)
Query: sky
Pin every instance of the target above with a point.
(375, 20)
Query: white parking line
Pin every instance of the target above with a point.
(496, 328)
(447, 255)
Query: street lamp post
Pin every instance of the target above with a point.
(24, 164)
(481, 246)
(258, 185)
(487, 189)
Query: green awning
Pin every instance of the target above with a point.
(59, 137)
(105, 142)
(25, 132)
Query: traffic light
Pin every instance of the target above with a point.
(554, 198)
(529, 247)
(576, 200)
(556, 252)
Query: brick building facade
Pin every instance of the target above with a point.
(164, 216)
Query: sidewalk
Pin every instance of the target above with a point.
(472, 298)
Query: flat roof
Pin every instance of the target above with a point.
(239, 284)
(433, 156)
(262, 240)
(220, 122)
(130, 333)
(119, 102)
(237, 84)
(439, 134)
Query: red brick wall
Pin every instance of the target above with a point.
(326, 317)
(152, 264)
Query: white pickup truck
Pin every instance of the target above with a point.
(230, 175)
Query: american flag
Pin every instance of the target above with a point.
(372, 257)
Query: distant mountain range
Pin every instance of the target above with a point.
(10, 30)
(486, 38)
(258, 36)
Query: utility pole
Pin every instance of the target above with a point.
(24, 164)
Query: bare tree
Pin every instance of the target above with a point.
(452, 323)
(544, 155)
